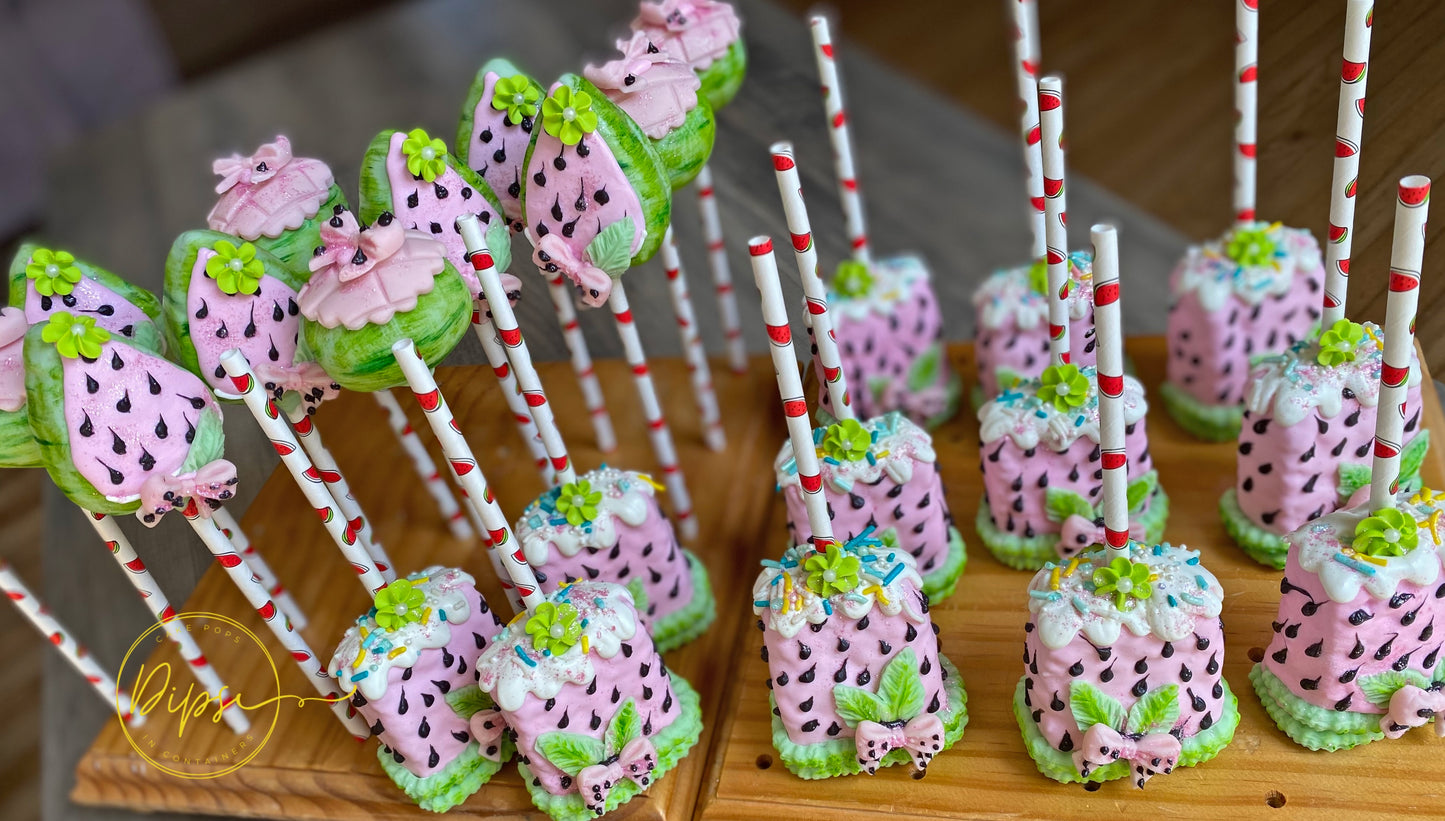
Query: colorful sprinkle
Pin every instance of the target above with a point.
(523, 655)
(1353, 563)
(586, 645)
(359, 676)
(396, 652)
(893, 574)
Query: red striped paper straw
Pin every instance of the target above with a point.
(1026, 68)
(693, 353)
(65, 643)
(335, 480)
(425, 468)
(232, 529)
(515, 351)
(815, 293)
(507, 380)
(657, 431)
(838, 135)
(1109, 332)
(506, 553)
(592, 396)
(1407, 253)
(302, 470)
(722, 278)
(790, 389)
(155, 601)
(1349, 129)
(1051, 116)
(1246, 106)
(280, 626)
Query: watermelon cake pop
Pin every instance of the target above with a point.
(44, 281)
(1011, 321)
(594, 712)
(705, 34)
(409, 664)
(496, 129)
(17, 443)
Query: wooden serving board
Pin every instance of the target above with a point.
(988, 774)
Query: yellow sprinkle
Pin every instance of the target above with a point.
(1371, 559)
(1153, 577)
(1433, 524)
(395, 651)
(877, 591)
(360, 657)
(1054, 578)
(1073, 565)
(426, 615)
(787, 591)
(365, 633)
(1274, 226)
(584, 645)
(1371, 333)
(649, 480)
(517, 618)
(881, 454)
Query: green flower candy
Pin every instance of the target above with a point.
(1338, 343)
(568, 116)
(1251, 246)
(74, 336)
(554, 628)
(235, 270)
(853, 281)
(847, 441)
(578, 502)
(1389, 532)
(1125, 580)
(1064, 387)
(54, 272)
(1039, 277)
(835, 571)
(516, 96)
(399, 604)
(426, 156)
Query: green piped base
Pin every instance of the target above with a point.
(457, 781)
(1212, 423)
(829, 759)
(1257, 543)
(1059, 766)
(941, 583)
(682, 626)
(671, 744)
(1309, 725)
(1032, 553)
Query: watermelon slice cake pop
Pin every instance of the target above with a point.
(44, 281)
(706, 34)
(17, 443)
(409, 664)
(1011, 321)
(594, 712)
(501, 109)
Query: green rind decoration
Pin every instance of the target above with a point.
(838, 757)
(1059, 766)
(503, 68)
(375, 187)
(685, 149)
(682, 626)
(1315, 728)
(17, 444)
(452, 784)
(941, 583)
(295, 248)
(1256, 542)
(672, 743)
(45, 401)
(361, 360)
(722, 79)
(147, 337)
(1031, 553)
(1212, 423)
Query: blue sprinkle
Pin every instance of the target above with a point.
(546, 653)
(1203, 585)
(871, 459)
(523, 655)
(442, 614)
(1158, 550)
(1194, 600)
(359, 676)
(775, 580)
(873, 435)
(817, 435)
(1354, 564)
(1173, 602)
(827, 607)
(1192, 560)
(869, 558)
(1078, 421)
(598, 601)
(1079, 605)
(843, 483)
(1040, 414)
(1047, 595)
(892, 574)
(830, 460)
(772, 564)
(763, 603)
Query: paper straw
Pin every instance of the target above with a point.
(815, 293)
(425, 468)
(838, 135)
(790, 390)
(232, 529)
(1109, 333)
(722, 278)
(514, 350)
(155, 600)
(281, 627)
(1407, 252)
(306, 476)
(516, 403)
(356, 521)
(79, 658)
(581, 361)
(515, 574)
(1349, 128)
(657, 432)
(1246, 108)
(692, 351)
(1051, 115)
(1026, 67)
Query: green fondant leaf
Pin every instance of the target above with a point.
(1141, 489)
(901, 687)
(1353, 476)
(1380, 687)
(209, 443)
(468, 700)
(1156, 711)
(1440, 671)
(1062, 503)
(1411, 458)
(499, 243)
(639, 595)
(855, 704)
(570, 752)
(611, 249)
(923, 373)
(878, 387)
(624, 727)
(1093, 706)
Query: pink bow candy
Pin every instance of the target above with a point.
(1078, 533)
(256, 168)
(636, 59)
(487, 727)
(308, 379)
(1412, 706)
(673, 15)
(921, 736)
(554, 255)
(211, 485)
(353, 251)
(1151, 754)
(637, 761)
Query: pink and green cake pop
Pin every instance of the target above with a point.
(498, 116)
(17, 443)
(409, 664)
(44, 281)
(705, 34)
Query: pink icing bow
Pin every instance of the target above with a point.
(1412, 706)
(353, 250)
(638, 55)
(487, 727)
(308, 379)
(637, 761)
(921, 736)
(674, 15)
(256, 168)
(1078, 533)
(1150, 755)
(554, 255)
(210, 485)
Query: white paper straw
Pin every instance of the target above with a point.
(1051, 116)
(232, 528)
(1349, 129)
(693, 353)
(421, 460)
(722, 278)
(1109, 333)
(507, 381)
(1246, 108)
(838, 135)
(592, 395)
(1026, 67)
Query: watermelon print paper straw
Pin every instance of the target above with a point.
(276, 621)
(1026, 67)
(155, 600)
(514, 350)
(306, 476)
(722, 277)
(693, 353)
(838, 135)
(1110, 335)
(790, 389)
(592, 397)
(657, 431)
(514, 573)
(1407, 252)
(425, 468)
(232, 529)
(507, 380)
(1246, 106)
(1349, 128)
(815, 293)
(79, 658)
(1051, 116)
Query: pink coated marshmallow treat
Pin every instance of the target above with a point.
(1011, 316)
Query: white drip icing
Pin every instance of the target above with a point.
(900, 442)
(1008, 295)
(1208, 271)
(1018, 413)
(782, 599)
(1318, 543)
(1293, 385)
(626, 498)
(893, 282)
